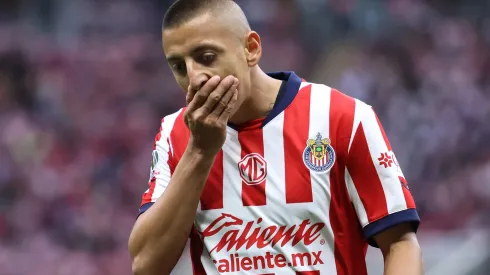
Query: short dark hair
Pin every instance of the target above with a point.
(182, 11)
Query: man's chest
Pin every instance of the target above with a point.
(267, 203)
(274, 166)
(266, 193)
(259, 214)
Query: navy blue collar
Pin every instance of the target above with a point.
(289, 90)
(292, 87)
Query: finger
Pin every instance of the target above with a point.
(198, 98)
(226, 113)
(216, 95)
(225, 99)
(189, 95)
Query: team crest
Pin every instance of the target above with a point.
(319, 155)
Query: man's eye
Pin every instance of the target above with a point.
(207, 58)
(179, 67)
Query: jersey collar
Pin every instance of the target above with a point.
(292, 88)
(287, 94)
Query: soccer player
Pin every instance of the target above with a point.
(265, 173)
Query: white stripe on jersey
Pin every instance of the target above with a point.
(357, 120)
(274, 155)
(163, 179)
(395, 200)
(320, 183)
(231, 175)
(356, 200)
(354, 196)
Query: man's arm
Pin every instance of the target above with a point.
(401, 251)
(381, 196)
(160, 234)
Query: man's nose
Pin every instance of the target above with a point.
(197, 77)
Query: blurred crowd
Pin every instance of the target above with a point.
(84, 84)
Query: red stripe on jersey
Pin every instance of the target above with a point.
(252, 141)
(365, 177)
(212, 194)
(179, 136)
(349, 246)
(197, 248)
(296, 127)
(406, 193)
(314, 272)
(170, 162)
(147, 196)
(387, 142)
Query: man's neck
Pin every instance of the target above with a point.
(263, 95)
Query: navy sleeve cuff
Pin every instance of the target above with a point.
(144, 207)
(406, 216)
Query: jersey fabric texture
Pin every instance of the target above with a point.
(302, 191)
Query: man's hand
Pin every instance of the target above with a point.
(160, 234)
(208, 112)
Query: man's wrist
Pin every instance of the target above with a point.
(201, 155)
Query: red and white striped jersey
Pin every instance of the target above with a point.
(302, 191)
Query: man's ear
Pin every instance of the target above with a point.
(253, 48)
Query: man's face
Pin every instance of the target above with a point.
(202, 48)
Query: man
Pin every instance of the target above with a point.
(265, 173)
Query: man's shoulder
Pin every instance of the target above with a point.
(171, 122)
(340, 101)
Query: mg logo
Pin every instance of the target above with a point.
(253, 168)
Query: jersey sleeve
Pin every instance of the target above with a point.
(375, 181)
(160, 171)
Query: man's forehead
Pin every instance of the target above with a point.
(198, 32)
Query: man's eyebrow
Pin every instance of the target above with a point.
(208, 46)
(200, 48)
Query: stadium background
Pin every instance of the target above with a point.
(83, 85)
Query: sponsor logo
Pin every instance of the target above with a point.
(253, 234)
(319, 155)
(386, 160)
(235, 262)
(236, 234)
(395, 161)
(253, 169)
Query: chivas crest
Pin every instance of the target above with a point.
(319, 155)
